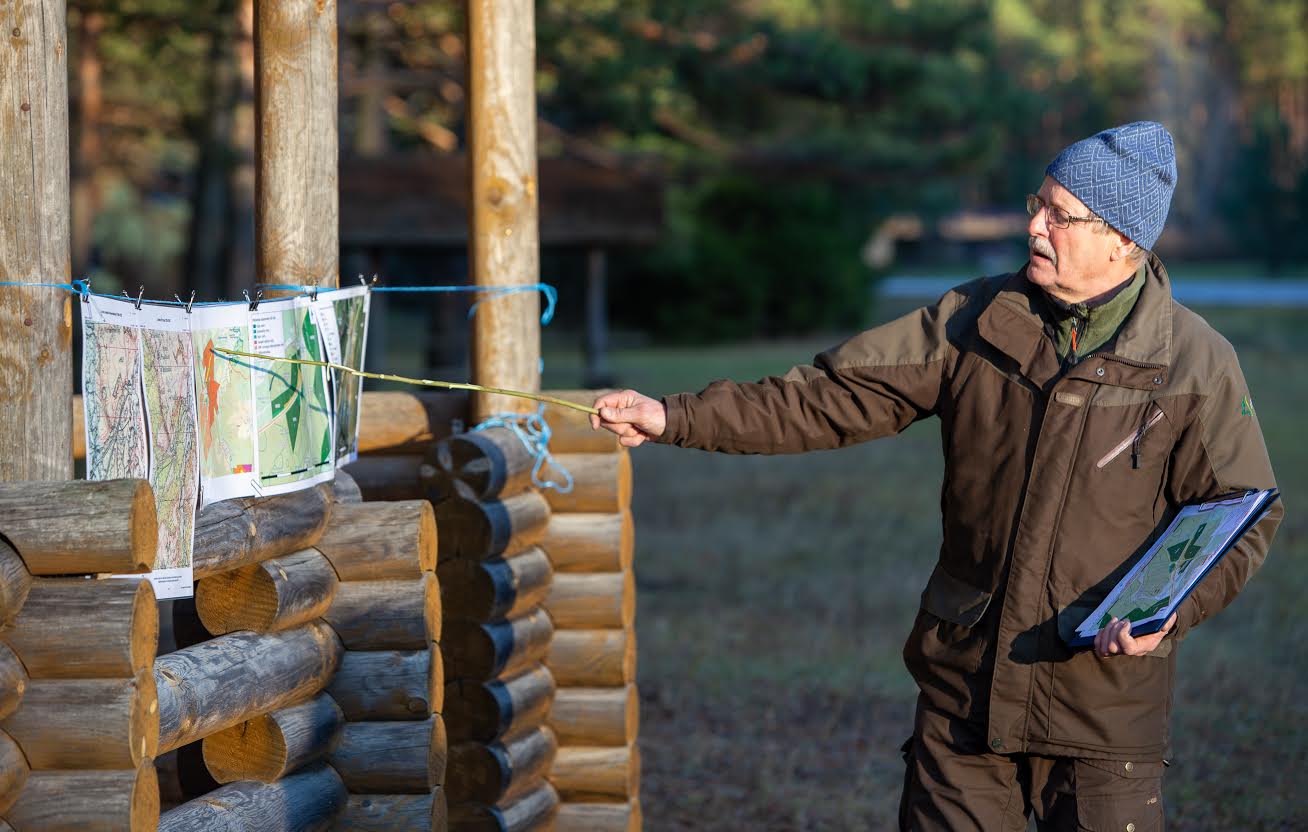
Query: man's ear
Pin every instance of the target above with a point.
(1125, 245)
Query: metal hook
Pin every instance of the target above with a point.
(140, 293)
(313, 294)
(186, 304)
(86, 289)
(258, 296)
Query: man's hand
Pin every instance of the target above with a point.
(633, 417)
(1116, 639)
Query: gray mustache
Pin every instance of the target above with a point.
(1041, 246)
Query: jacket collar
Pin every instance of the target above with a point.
(1139, 356)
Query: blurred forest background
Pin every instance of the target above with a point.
(813, 142)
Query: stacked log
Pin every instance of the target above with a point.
(494, 577)
(595, 712)
(392, 746)
(79, 711)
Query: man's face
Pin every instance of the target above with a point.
(1073, 263)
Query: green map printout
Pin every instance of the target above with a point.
(293, 419)
(1197, 537)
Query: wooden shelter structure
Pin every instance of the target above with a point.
(428, 642)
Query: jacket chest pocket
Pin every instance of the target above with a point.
(1141, 441)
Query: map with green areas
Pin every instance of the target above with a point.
(292, 416)
(1165, 576)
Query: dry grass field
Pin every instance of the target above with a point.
(775, 593)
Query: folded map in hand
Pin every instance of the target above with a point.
(1194, 542)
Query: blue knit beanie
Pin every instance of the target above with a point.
(1125, 175)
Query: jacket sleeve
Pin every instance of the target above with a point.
(875, 384)
(1219, 452)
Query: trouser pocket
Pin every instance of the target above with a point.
(1119, 795)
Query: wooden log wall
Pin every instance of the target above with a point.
(592, 601)
(493, 579)
(79, 709)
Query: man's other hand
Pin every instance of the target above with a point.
(1116, 639)
(633, 417)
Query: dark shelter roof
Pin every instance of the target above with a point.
(423, 201)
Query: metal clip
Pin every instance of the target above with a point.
(186, 304)
(86, 289)
(258, 296)
(140, 293)
(313, 294)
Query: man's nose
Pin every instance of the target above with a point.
(1037, 226)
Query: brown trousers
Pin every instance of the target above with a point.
(955, 783)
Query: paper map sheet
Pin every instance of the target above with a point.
(292, 415)
(224, 391)
(1173, 564)
(169, 384)
(344, 330)
(111, 383)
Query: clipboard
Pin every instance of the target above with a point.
(1196, 540)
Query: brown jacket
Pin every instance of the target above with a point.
(1052, 482)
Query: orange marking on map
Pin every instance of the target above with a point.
(211, 385)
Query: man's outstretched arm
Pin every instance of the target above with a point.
(874, 384)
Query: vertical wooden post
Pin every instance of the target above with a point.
(36, 375)
(504, 236)
(297, 208)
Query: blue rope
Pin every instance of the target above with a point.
(534, 433)
(83, 288)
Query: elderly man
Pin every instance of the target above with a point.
(1080, 406)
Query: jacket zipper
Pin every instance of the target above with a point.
(1133, 440)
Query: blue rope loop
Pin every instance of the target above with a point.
(534, 433)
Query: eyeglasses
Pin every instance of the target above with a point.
(1054, 215)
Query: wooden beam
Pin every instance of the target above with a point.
(593, 658)
(297, 211)
(87, 723)
(388, 685)
(596, 716)
(492, 463)
(390, 476)
(387, 615)
(598, 601)
(487, 711)
(392, 757)
(404, 422)
(14, 772)
(277, 594)
(534, 810)
(500, 771)
(504, 243)
(89, 801)
(590, 542)
(486, 590)
(598, 817)
(596, 774)
(600, 483)
(36, 361)
(13, 681)
(75, 628)
(15, 583)
(306, 800)
(269, 747)
(78, 527)
(394, 812)
(486, 651)
(480, 529)
(235, 533)
(219, 683)
(378, 541)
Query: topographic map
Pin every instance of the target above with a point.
(174, 452)
(1197, 537)
(224, 403)
(293, 420)
(111, 385)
